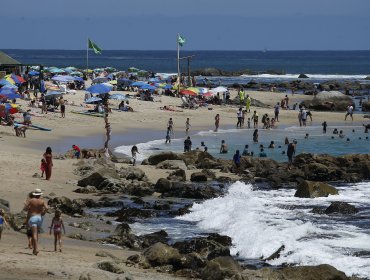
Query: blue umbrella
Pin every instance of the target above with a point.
(99, 88)
(167, 86)
(118, 96)
(60, 78)
(4, 82)
(93, 100)
(11, 95)
(78, 79)
(7, 91)
(33, 73)
(100, 80)
(146, 86)
(154, 80)
(138, 84)
(10, 86)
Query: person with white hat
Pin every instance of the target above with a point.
(36, 208)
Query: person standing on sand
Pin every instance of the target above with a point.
(187, 125)
(36, 208)
(255, 119)
(134, 152)
(43, 104)
(300, 117)
(349, 112)
(239, 115)
(48, 156)
(217, 122)
(248, 102)
(277, 111)
(56, 226)
(241, 96)
(77, 151)
(62, 107)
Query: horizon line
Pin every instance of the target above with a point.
(260, 50)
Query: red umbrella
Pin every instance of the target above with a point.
(188, 92)
(208, 94)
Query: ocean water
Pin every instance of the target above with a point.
(320, 64)
(317, 142)
(260, 221)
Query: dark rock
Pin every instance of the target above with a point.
(66, 205)
(5, 203)
(163, 185)
(77, 236)
(221, 268)
(198, 177)
(366, 106)
(161, 254)
(276, 254)
(207, 248)
(155, 159)
(16, 221)
(327, 104)
(318, 210)
(210, 174)
(132, 214)
(302, 76)
(155, 237)
(124, 237)
(309, 189)
(341, 208)
(86, 190)
(132, 173)
(172, 164)
(111, 266)
(183, 190)
(320, 272)
(177, 175)
(97, 177)
(161, 205)
(182, 211)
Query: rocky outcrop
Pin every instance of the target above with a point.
(161, 254)
(310, 189)
(172, 164)
(177, 175)
(66, 205)
(98, 177)
(320, 272)
(328, 104)
(198, 177)
(302, 76)
(132, 214)
(341, 208)
(221, 268)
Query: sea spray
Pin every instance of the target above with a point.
(260, 221)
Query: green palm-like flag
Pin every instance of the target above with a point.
(181, 40)
(94, 47)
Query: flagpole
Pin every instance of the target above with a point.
(178, 63)
(87, 57)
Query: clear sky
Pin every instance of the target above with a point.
(206, 24)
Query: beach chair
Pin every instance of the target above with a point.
(185, 102)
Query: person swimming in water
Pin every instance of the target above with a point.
(223, 148)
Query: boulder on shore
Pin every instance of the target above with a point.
(310, 189)
(221, 268)
(198, 177)
(161, 254)
(302, 76)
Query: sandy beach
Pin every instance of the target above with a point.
(20, 160)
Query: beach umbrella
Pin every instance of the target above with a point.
(219, 89)
(113, 82)
(167, 86)
(93, 100)
(154, 80)
(188, 92)
(33, 73)
(133, 69)
(100, 80)
(53, 94)
(4, 82)
(208, 94)
(149, 87)
(56, 70)
(138, 84)
(14, 79)
(99, 88)
(108, 85)
(11, 108)
(71, 68)
(7, 91)
(78, 79)
(10, 95)
(195, 89)
(110, 69)
(63, 79)
(11, 86)
(76, 73)
(118, 96)
(67, 70)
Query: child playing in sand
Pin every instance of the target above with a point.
(56, 227)
(43, 167)
(3, 222)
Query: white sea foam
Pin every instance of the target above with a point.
(310, 76)
(260, 221)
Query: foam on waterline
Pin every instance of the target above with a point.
(145, 149)
(259, 222)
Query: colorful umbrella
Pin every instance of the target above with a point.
(11, 108)
(63, 79)
(7, 91)
(93, 100)
(194, 89)
(188, 92)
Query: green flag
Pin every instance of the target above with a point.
(94, 47)
(181, 40)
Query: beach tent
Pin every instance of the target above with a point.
(99, 88)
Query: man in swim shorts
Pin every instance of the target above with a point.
(37, 208)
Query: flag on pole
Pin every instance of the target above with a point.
(94, 47)
(181, 40)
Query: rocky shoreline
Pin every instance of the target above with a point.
(129, 190)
